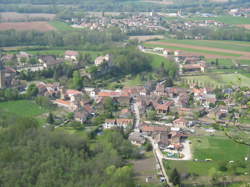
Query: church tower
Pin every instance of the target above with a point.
(2, 75)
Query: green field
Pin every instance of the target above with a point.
(219, 149)
(230, 45)
(219, 80)
(61, 26)
(192, 50)
(23, 108)
(227, 19)
(157, 60)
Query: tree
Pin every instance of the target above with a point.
(152, 115)
(50, 118)
(77, 80)
(175, 177)
(32, 91)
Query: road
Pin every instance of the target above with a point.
(159, 158)
(137, 116)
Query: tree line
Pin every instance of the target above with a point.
(61, 39)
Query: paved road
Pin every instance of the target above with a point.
(137, 116)
(159, 157)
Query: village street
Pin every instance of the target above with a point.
(137, 116)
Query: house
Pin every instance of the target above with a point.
(73, 94)
(181, 122)
(81, 115)
(152, 129)
(125, 113)
(192, 68)
(71, 55)
(65, 104)
(102, 59)
(136, 138)
(163, 108)
(49, 61)
(112, 123)
(91, 92)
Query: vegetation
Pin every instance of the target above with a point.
(61, 159)
(24, 108)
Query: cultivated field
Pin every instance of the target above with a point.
(22, 26)
(14, 16)
(209, 49)
(219, 80)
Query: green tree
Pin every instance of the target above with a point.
(50, 118)
(32, 91)
(175, 177)
(77, 80)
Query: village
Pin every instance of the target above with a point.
(165, 116)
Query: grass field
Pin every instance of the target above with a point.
(192, 50)
(23, 108)
(220, 80)
(61, 26)
(157, 60)
(219, 149)
(231, 45)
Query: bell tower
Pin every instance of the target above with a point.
(2, 75)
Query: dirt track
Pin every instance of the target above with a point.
(38, 26)
(245, 55)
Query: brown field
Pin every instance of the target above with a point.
(14, 16)
(38, 26)
(246, 26)
(144, 168)
(145, 38)
(245, 55)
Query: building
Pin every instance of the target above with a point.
(136, 138)
(71, 55)
(101, 59)
(112, 123)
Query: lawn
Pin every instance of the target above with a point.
(157, 60)
(218, 148)
(23, 108)
(191, 50)
(230, 45)
(219, 80)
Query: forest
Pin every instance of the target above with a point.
(35, 156)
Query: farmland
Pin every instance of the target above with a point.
(230, 45)
(23, 108)
(219, 80)
(61, 26)
(38, 26)
(237, 50)
(14, 16)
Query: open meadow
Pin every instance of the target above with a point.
(23, 108)
(220, 150)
